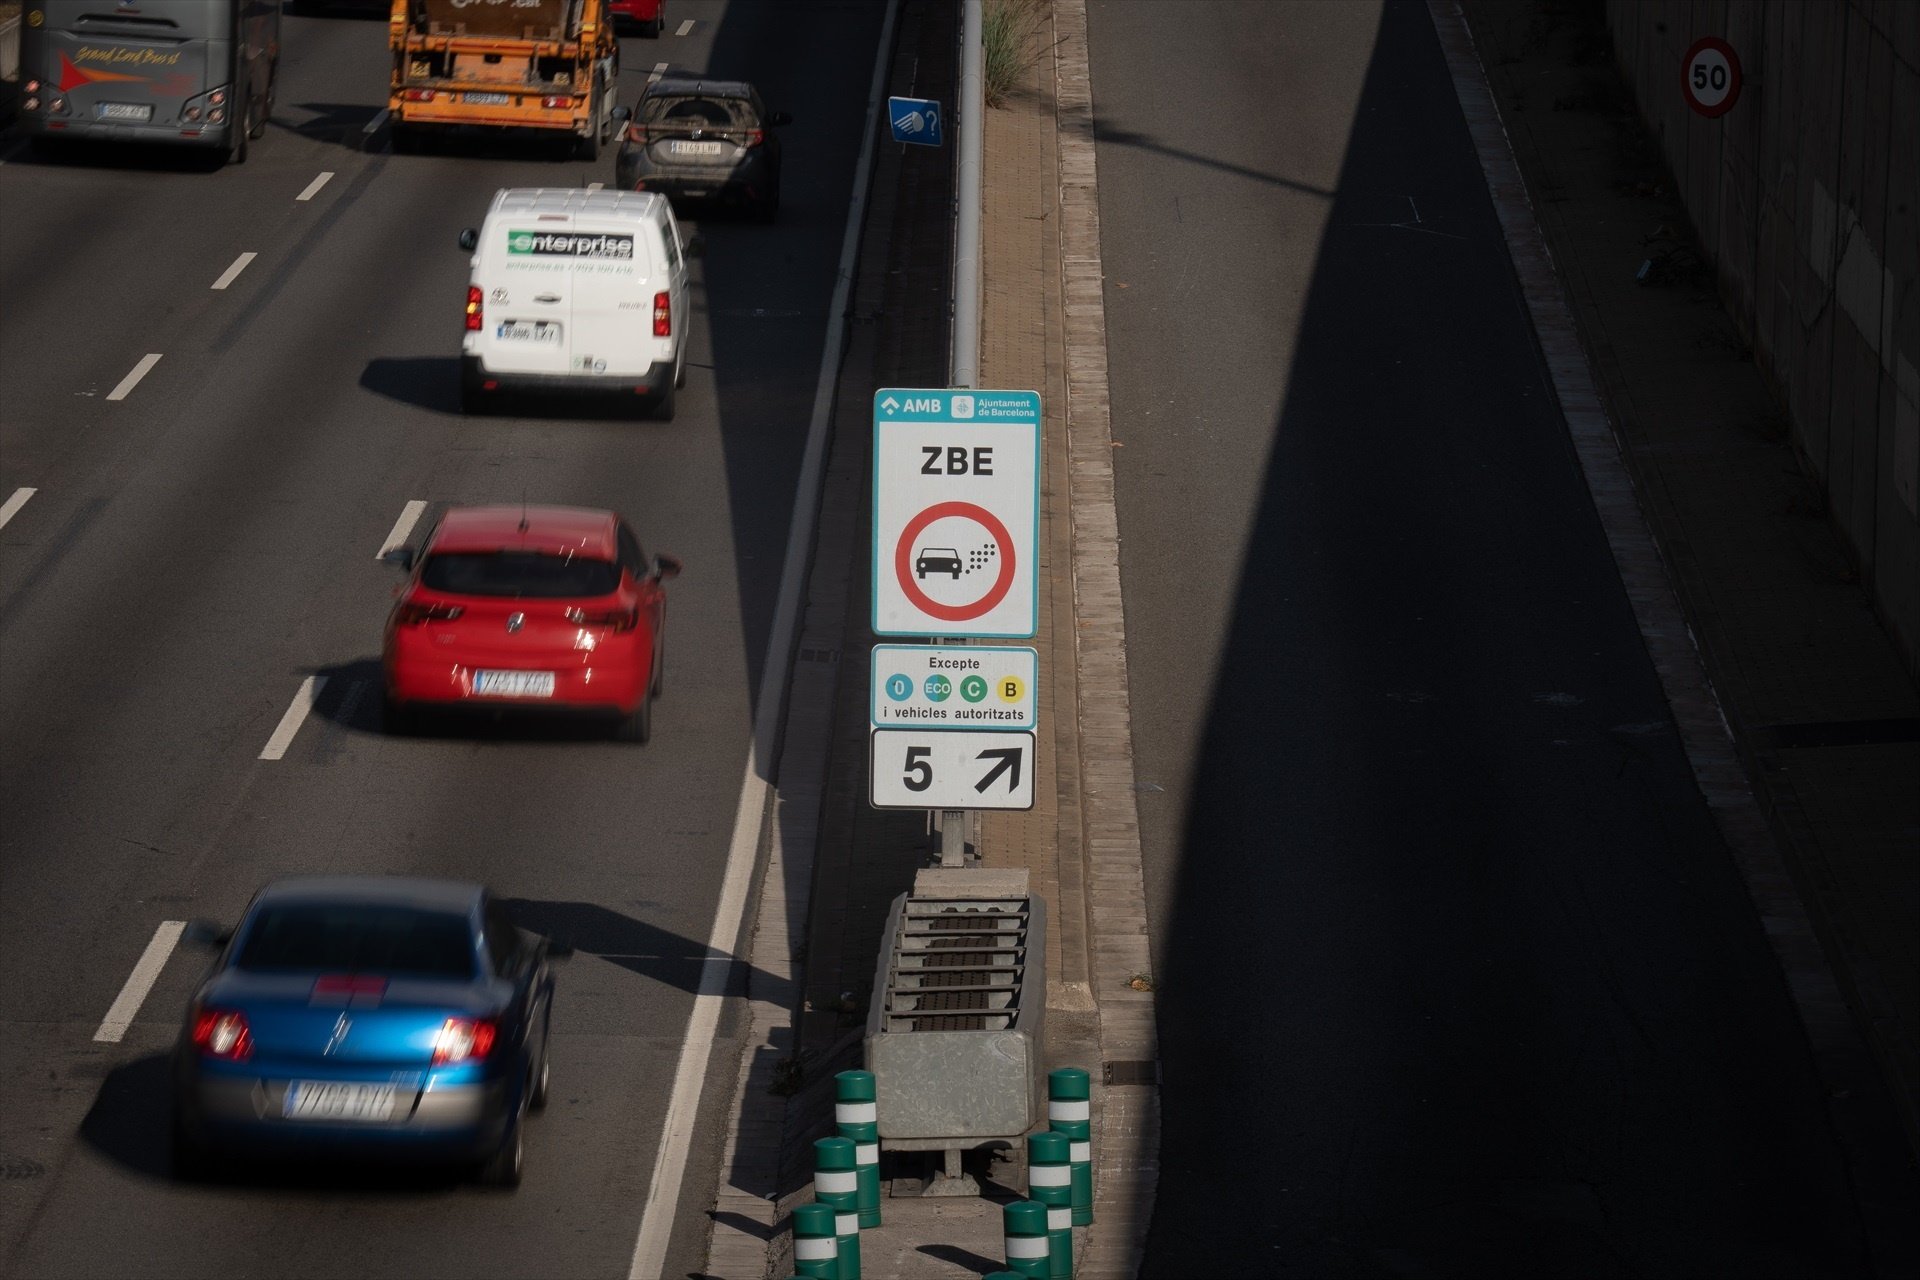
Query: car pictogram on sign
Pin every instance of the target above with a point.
(936, 560)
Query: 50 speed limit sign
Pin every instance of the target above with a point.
(1710, 76)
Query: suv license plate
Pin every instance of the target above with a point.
(513, 684)
(138, 112)
(328, 1100)
(680, 148)
(486, 99)
(527, 331)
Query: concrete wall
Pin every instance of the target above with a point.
(1806, 197)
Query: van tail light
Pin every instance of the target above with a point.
(618, 619)
(464, 1040)
(662, 316)
(417, 95)
(413, 613)
(473, 308)
(223, 1033)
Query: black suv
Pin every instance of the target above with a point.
(700, 139)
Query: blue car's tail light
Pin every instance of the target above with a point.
(223, 1033)
(464, 1039)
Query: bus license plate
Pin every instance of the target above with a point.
(137, 112)
(486, 99)
(527, 331)
(327, 1100)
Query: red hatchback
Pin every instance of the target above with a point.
(548, 607)
(651, 15)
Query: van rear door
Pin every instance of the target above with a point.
(613, 288)
(526, 287)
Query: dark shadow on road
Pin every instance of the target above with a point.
(1111, 137)
(634, 945)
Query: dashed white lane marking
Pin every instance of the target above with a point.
(685, 27)
(372, 126)
(139, 982)
(296, 716)
(132, 380)
(11, 507)
(409, 516)
(313, 188)
(659, 69)
(595, 186)
(232, 273)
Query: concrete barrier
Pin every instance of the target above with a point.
(1806, 199)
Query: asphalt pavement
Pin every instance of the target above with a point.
(1454, 972)
(198, 548)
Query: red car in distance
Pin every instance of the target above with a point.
(528, 607)
(651, 15)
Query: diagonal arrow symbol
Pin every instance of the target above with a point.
(1009, 758)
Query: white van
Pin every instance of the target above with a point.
(576, 290)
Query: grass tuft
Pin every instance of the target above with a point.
(1006, 43)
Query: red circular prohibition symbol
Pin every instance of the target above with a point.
(903, 561)
(1730, 91)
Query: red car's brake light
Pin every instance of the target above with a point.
(618, 619)
(473, 306)
(223, 1033)
(662, 316)
(412, 613)
(463, 1039)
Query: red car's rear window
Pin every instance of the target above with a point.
(519, 574)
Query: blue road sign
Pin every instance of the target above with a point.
(916, 120)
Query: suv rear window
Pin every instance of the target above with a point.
(521, 574)
(345, 938)
(698, 109)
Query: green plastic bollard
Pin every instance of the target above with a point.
(857, 1117)
(1070, 1111)
(1025, 1224)
(816, 1252)
(836, 1185)
(1050, 1181)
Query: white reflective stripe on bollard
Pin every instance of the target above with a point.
(1070, 1109)
(1081, 1152)
(866, 1153)
(856, 1113)
(1060, 1219)
(832, 1180)
(846, 1224)
(1049, 1175)
(1026, 1247)
(811, 1250)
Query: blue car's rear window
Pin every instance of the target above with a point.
(359, 939)
(519, 573)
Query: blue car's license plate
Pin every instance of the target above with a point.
(330, 1100)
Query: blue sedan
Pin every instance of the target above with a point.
(407, 1018)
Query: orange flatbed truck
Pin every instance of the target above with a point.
(545, 66)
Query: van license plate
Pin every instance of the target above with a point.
(138, 112)
(694, 148)
(486, 99)
(513, 684)
(527, 331)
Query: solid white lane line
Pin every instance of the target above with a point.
(409, 516)
(11, 508)
(132, 380)
(372, 126)
(659, 69)
(685, 27)
(232, 273)
(139, 982)
(683, 1107)
(313, 188)
(296, 716)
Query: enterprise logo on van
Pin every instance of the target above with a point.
(564, 245)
